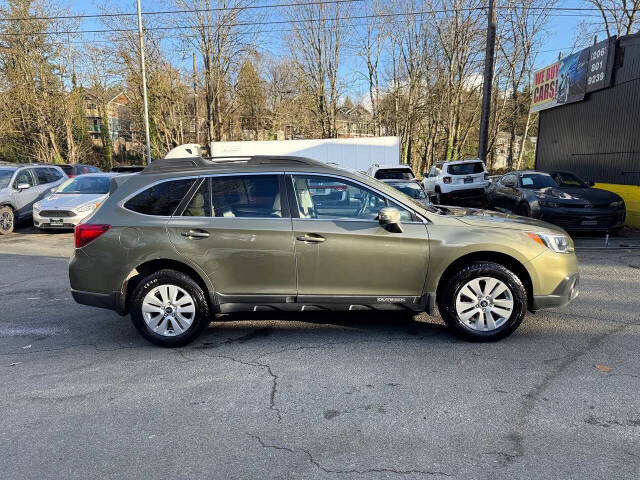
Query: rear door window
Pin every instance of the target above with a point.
(43, 175)
(200, 203)
(246, 196)
(465, 168)
(54, 174)
(161, 199)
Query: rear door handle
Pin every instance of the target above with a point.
(195, 234)
(311, 238)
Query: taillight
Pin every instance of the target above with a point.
(87, 232)
(71, 176)
(446, 179)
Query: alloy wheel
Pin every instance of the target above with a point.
(6, 221)
(168, 310)
(484, 304)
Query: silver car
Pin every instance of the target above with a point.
(20, 187)
(74, 200)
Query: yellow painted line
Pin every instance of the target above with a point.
(631, 197)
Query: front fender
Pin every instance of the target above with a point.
(454, 242)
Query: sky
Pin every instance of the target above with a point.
(561, 34)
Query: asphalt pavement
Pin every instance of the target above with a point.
(328, 396)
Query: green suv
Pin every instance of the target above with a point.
(188, 238)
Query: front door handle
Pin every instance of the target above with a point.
(311, 238)
(195, 234)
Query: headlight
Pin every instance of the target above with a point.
(557, 242)
(86, 208)
(619, 203)
(548, 203)
(36, 206)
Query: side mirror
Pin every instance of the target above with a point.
(23, 186)
(591, 183)
(389, 219)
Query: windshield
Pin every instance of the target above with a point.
(394, 174)
(86, 185)
(465, 168)
(569, 180)
(5, 177)
(537, 180)
(411, 189)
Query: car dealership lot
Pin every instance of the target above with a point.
(325, 396)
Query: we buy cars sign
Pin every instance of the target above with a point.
(545, 87)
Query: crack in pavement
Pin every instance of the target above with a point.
(267, 368)
(516, 436)
(316, 464)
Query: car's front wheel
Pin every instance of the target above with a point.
(169, 308)
(483, 301)
(7, 220)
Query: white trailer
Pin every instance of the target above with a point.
(351, 153)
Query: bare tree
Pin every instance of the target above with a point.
(222, 44)
(523, 21)
(619, 17)
(316, 45)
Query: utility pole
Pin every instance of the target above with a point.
(195, 99)
(144, 86)
(489, 55)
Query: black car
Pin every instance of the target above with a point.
(412, 188)
(78, 169)
(561, 198)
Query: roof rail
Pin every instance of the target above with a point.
(195, 163)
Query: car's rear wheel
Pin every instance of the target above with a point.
(483, 301)
(169, 308)
(7, 220)
(437, 198)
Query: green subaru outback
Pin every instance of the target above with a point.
(188, 238)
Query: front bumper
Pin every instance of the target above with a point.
(583, 219)
(566, 291)
(57, 222)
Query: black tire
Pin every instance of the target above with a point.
(524, 210)
(448, 293)
(437, 199)
(202, 317)
(7, 220)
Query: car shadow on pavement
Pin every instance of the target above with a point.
(307, 327)
(29, 229)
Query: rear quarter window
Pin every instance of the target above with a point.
(161, 199)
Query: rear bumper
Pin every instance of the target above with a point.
(462, 192)
(110, 301)
(566, 291)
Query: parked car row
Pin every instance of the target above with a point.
(559, 197)
(54, 196)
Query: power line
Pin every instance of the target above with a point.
(260, 23)
(256, 7)
(174, 12)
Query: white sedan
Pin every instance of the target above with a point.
(75, 199)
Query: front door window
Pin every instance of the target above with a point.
(330, 198)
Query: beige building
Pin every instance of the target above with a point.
(118, 113)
